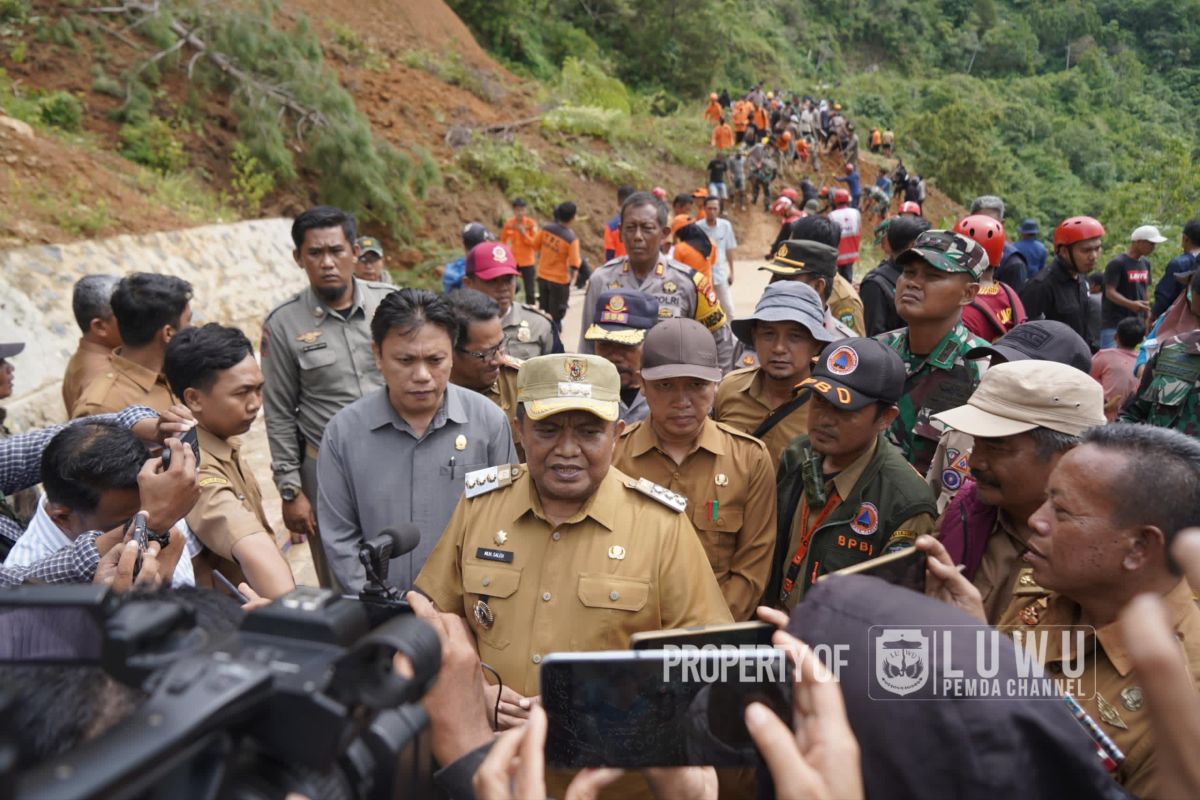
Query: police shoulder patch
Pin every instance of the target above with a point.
(672, 500)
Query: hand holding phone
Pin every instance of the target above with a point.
(190, 438)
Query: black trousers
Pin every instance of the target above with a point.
(529, 278)
(553, 299)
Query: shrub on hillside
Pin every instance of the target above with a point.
(150, 141)
(585, 84)
(61, 110)
(515, 169)
(586, 121)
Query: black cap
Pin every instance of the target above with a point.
(473, 233)
(1040, 340)
(796, 256)
(853, 373)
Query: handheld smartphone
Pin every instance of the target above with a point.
(660, 708)
(141, 536)
(735, 634)
(190, 438)
(904, 568)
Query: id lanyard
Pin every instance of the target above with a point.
(789, 580)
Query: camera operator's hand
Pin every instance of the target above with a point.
(175, 420)
(672, 782)
(1147, 631)
(515, 768)
(455, 705)
(168, 495)
(253, 599)
(944, 579)
(115, 569)
(514, 707)
(772, 616)
(299, 517)
(821, 759)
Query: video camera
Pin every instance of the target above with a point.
(303, 697)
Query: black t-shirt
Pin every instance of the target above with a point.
(716, 170)
(1131, 277)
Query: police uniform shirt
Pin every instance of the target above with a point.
(124, 384)
(729, 483)
(742, 404)
(1117, 704)
(88, 362)
(680, 291)
(229, 509)
(375, 473)
(527, 332)
(315, 361)
(624, 563)
(635, 411)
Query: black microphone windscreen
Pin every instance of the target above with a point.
(405, 538)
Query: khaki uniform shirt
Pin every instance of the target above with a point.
(527, 332)
(504, 394)
(229, 509)
(1001, 569)
(729, 484)
(88, 362)
(1117, 705)
(846, 306)
(742, 404)
(315, 362)
(124, 384)
(624, 563)
(951, 465)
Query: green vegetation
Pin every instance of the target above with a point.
(517, 170)
(250, 182)
(150, 141)
(451, 69)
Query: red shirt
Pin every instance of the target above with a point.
(994, 312)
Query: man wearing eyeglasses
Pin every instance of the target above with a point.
(481, 362)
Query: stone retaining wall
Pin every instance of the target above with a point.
(238, 273)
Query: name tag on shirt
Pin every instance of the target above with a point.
(317, 346)
(488, 554)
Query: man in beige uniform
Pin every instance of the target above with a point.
(214, 372)
(150, 310)
(316, 358)
(726, 475)
(787, 330)
(491, 269)
(815, 264)
(91, 305)
(569, 553)
(1023, 416)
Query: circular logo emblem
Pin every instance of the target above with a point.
(500, 254)
(616, 303)
(842, 361)
(866, 520)
(951, 480)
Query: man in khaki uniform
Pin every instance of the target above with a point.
(213, 370)
(91, 305)
(491, 269)
(815, 264)
(1023, 416)
(569, 553)
(787, 331)
(726, 475)
(316, 357)
(480, 363)
(1101, 538)
(618, 329)
(150, 310)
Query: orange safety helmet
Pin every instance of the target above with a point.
(1077, 229)
(987, 231)
(841, 197)
(712, 96)
(909, 207)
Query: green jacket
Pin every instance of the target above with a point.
(888, 493)
(1169, 394)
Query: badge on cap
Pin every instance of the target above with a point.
(576, 368)
(842, 361)
(460, 442)
(484, 615)
(866, 520)
(616, 552)
(500, 254)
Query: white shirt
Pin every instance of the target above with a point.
(723, 236)
(43, 538)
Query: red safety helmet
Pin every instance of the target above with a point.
(849, 168)
(781, 206)
(909, 207)
(659, 192)
(987, 231)
(841, 197)
(1077, 229)
(790, 194)
(824, 192)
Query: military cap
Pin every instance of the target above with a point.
(948, 252)
(622, 316)
(796, 256)
(548, 385)
(369, 244)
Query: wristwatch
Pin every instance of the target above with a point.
(288, 493)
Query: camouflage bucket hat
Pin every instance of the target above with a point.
(948, 252)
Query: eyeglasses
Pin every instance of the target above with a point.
(483, 355)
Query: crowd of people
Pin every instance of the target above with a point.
(678, 464)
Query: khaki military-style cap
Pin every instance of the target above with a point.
(549, 385)
(1019, 396)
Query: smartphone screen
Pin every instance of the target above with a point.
(903, 568)
(660, 708)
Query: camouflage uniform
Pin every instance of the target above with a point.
(1168, 396)
(942, 380)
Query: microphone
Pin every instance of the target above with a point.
(404, 539)
(375, 555)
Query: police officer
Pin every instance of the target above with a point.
(619, 325)
(528, 331)
(1169, 393)
(939, 276)
(316, 359)
(680, 291)
(566, 552)
(480, 363)
(726, 475)
(846, 494)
